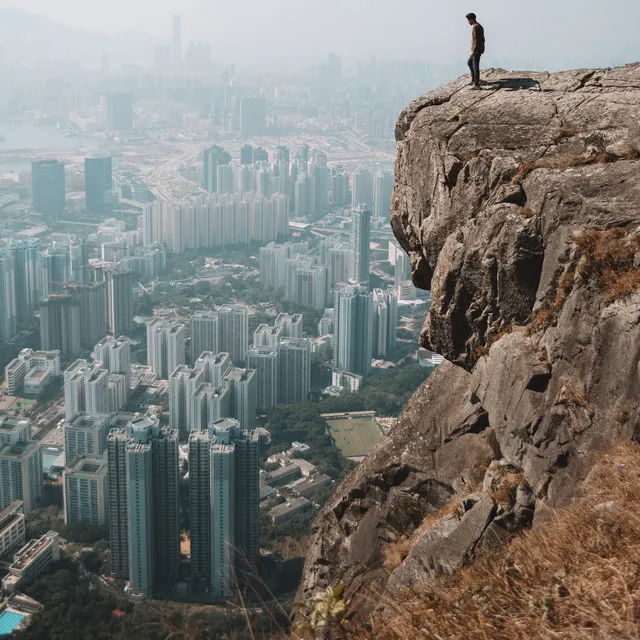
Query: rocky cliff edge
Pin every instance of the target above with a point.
(519, 206)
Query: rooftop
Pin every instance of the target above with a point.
(32, 550)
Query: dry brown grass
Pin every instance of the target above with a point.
(548, 313)
(395, 553)
(566, 161)
(609, 261)
(563, 134)
(505, 493)
(576, 578)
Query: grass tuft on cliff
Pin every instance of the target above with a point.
(576, 577)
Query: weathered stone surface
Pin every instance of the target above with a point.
(491, 189)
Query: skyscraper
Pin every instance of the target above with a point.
(353, 323)
(85, 436)
(92, 299)
(8, 312)
(294, 370)
(224, 492)
(204, 333)
(234, 331)
(213, 366)
(60, 325)
(253, 114)
(119, 283)
(98, 183)
(360, 240)
(264, 361)
(79, 261)
(183, 383)
(27, 276)
(246, 154)
(385, 322)
(86, 389)
(165, 346)
(291, 325)
(383, 182)
(115, 356)
(362, 188)
(243, 389)
(120, 112)
(144, 516)
(306, 283)
(212, 158)
(47, 180)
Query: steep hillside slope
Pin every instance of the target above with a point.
(519, 206)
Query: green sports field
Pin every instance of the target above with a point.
(356, 436)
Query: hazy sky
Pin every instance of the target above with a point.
(553, 33)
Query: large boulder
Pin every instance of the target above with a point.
(519, 206)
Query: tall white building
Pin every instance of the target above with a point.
(306, 282)
(183, 383)
(86, 389)
(360, 241)
(224, 484)
(8, 310)
(362, 188)
(144, 514)
(353, 325)
(234, 331)
(86, 436)
(86, 491)
(291, 325)
(165, 346)
(383, 182)
(21, 475)
(243, 388)
(213, 366)
(209, 404)
(204, 333)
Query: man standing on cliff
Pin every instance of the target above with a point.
(477, 49)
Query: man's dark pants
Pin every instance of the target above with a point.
(474, 66)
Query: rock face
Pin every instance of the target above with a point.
(519, 206)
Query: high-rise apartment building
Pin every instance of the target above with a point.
(119, 299)
(85, 485)
(291, 325)
(165, 346)
(27, 279)
(183, 383)
(85, 436)
(144, 515)
(362, 188)
(242, 385)
(60, 325)
(48, 185)
(79, 261)
(360, 241)
(383, 182)
(224, 492)
(92, 298)
(264, 361)
(353, 324)
(208, 404)
(8, 311)
(120, 112)
(294, 370)
(385, 322)
(86, 389)
(246, 154)
(306, 283)
(98, 183)
(234, 331)
(212, 158)
(204, 333)
(213, 366)
(21, 475)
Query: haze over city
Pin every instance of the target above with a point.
(292, 33)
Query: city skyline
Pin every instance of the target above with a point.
(437, 34)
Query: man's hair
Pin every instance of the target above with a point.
(471, 16)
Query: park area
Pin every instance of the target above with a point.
(354, 436)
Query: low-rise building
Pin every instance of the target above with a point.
(288, 510)
(32, 560)
(283, 475)
(308, 487)
(12, 529)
